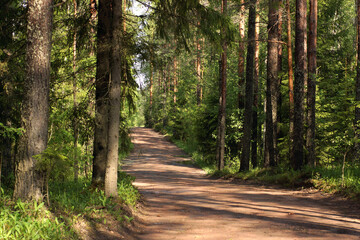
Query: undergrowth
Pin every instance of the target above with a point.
(69, 202)
(20, 220)
(325, 178)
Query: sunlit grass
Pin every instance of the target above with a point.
(69, 201)
(20, 220)
(328, 178)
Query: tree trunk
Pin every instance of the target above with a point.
(222, 100)
(114, 102)
(76, 132)
(357, 86)
(124, 15)
(175, 78)
(311, 93)
(254, 134)
(272, 84)
(101, 94)
(92, 21)
(241, 67)
(279, 95)
(300, 75)
(35, 112)
(241, 62)
(291, 74)
(124, 77)
(249, 88)
(151, 80)
(198, 70)
(1, 160)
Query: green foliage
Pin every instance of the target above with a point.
(10, 132)
(53, 163)
(20, 220)
(78, 197)
(336, 62)
(330, 179)
(127, 192)
(69, 200)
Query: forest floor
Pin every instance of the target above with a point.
(181, 202)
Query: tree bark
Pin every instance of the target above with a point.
(76, 132)
(151, 80)
(222, 100)
(254, 134)
(124, 76)
(101, 94)
(311, 93)
(272, 84)
(291, 74)
(249, 88)
(300, 76)
(35, 110)
(1, 160)
(175, 78)
(279, 95)
(357, 86)
(114, 102)
(198, 70)
(241, 62)
(92, 21)
(241, 67)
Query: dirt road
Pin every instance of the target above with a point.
(182, 203)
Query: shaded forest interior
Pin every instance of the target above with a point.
(264, 90)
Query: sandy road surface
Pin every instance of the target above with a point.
(182, 203)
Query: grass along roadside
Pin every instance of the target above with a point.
(328, 179)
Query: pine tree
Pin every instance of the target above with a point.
(290, 74)
(297, 157)
(114, 100)
(249, 88)
(311, 93)
(272, 84)
(102, 92)
(29, 179)
(220, 150)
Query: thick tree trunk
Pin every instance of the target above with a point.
(101, 94)
(300, 77)
(291, 76)
(220, 152)
(35, 112)
(114, 102)
(249, 89)
(254, 134)
(272, 84)
(311, 93)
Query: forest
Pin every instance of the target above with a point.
(253, 90)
